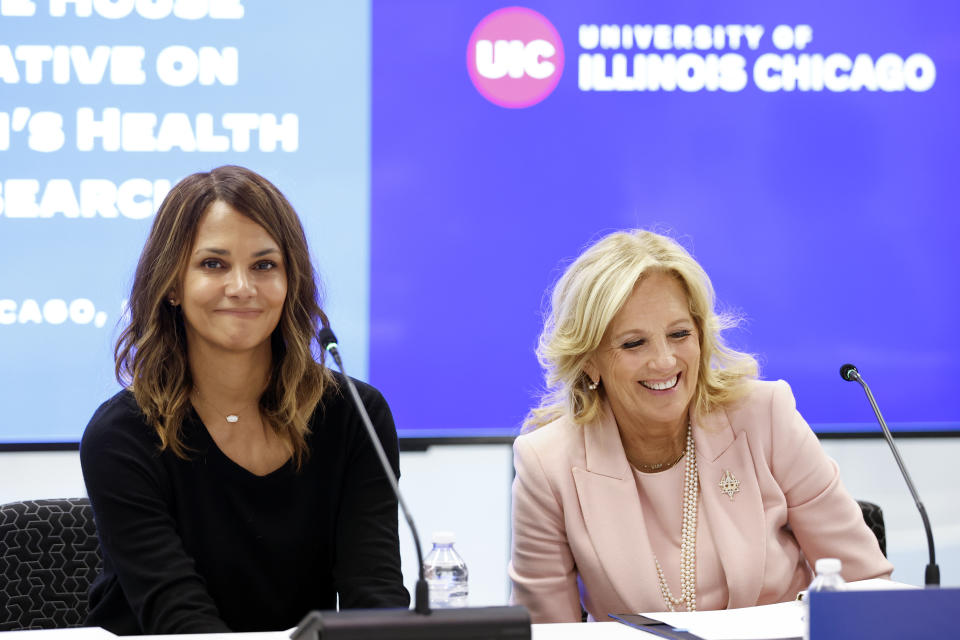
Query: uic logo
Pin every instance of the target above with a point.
(515, 57)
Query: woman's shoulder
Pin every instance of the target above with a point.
(766, 408)
(119, 419)
(368, 392)
(762, 395)
(336, 412)
(121, 408)
(558, 441)
(336, 395)
(556, 430)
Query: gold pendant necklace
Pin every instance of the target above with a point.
(230, 417)
(660, 466)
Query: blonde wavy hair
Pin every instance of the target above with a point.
(151, 353)
(590, 293)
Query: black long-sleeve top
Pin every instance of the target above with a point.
(203, 545)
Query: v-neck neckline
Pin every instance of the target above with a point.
(228, 463)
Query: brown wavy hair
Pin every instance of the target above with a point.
(151, 353)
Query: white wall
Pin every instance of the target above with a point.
(466, 488)
(870, 473)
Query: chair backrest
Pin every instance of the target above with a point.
(873, 516)
(49, 555)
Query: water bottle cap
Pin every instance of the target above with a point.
(444, 537)
(828, 565)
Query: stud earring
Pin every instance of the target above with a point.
(593, 385)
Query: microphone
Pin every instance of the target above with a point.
(328, 342)
(469, 623)
(932, 575)
(849, 372)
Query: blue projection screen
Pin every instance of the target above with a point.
(449, 158)
(104, 106)
(804, 152)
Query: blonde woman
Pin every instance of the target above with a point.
(658, 473)
(233, 486)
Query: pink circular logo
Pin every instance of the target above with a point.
(515, 57)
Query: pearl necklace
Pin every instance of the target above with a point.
(688, 538)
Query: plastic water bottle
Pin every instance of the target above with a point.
(828, 578)
(446, 573)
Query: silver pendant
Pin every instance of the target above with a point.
(729, 484)
(233, 418)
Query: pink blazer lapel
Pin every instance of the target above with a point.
(613, 516)
(738, 524)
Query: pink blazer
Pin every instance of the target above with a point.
(578, 527)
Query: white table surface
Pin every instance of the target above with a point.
(588, 631)
(572, 631)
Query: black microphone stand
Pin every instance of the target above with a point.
(422, 623)
(421, 596)
(932, 574)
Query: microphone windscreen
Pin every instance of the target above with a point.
(325, 337)
(848, 372)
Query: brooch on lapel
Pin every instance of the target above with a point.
(729, 484)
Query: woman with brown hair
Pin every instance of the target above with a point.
(233, 485)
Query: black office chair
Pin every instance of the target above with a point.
(873, 516)
(49, 555)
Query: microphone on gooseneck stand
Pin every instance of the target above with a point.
(328, 342)
(932, 576)
(468, 623)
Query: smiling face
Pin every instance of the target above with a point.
(649, 357)
(234, 284)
